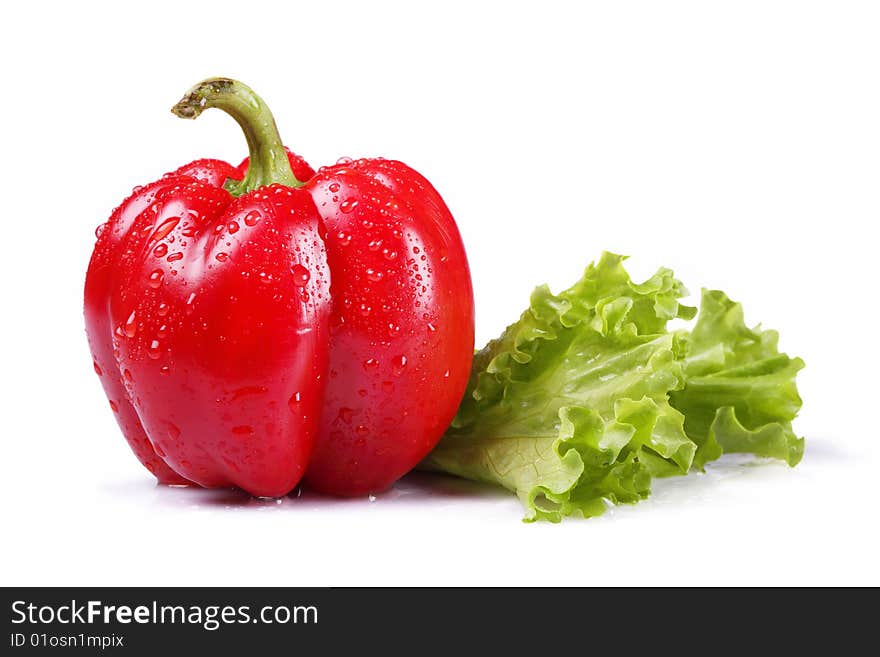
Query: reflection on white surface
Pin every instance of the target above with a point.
(425, 489)
(415, 488)
(429, 529)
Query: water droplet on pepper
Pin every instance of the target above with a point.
(130, 327)
(165, 227)
(398, 363)
(301, 275)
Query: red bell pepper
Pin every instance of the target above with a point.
(399, 311)
(207, 312)
(402, 328)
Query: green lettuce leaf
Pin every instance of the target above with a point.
(588, 396)
(569, 407)
(740, 393)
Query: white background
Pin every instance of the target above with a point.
(738, 143)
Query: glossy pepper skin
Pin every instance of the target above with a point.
(207, 307)
(402, 326)
(402, 322)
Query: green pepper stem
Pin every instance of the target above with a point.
(268, 159)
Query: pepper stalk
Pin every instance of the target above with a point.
(268, 159)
